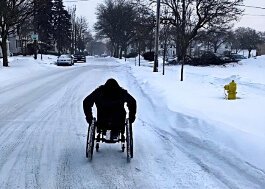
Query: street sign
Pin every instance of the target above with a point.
(35, 37)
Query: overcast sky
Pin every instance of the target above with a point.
(252, 20)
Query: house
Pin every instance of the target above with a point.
(260, 50)
(14, 44)
(171, 50)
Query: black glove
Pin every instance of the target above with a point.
(89, 119)
(131, 118)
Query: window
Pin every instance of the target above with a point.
(18, 44)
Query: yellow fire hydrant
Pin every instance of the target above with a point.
(231, 90)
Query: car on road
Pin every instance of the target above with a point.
(65, 59)
(79, 57)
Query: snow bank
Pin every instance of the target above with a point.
(237, 126)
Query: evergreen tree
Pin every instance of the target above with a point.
(61, 26)
(43, 20)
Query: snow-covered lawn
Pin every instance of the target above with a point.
(236, 125)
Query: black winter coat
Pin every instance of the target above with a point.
(110, 104)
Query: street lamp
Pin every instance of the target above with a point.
(157, 35)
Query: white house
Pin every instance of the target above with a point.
(14, 44)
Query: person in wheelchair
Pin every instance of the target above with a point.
(111, 115)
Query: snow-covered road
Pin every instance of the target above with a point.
(43, 134)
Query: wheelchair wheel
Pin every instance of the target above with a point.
(90, 139)
(129, 140)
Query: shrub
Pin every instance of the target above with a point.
(131, 55)
(149, 56)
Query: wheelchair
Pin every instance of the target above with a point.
(96, 135)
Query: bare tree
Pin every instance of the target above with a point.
(190, 16)
(81, 33)
(213, 38)
(12, 13)
(116, 21)
(145, 24)
(96, 47)
(248, 38)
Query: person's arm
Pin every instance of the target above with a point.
(88, 104)
(131, 103)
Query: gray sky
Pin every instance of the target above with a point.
(88, 8)
(255, 22)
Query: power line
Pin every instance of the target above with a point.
(255, 7)
(254, 14)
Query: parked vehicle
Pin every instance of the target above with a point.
(79, 57)
(210, 58)
(171, 60)
(236, 57)
(104, 55)
(65, 59)
(224, 58)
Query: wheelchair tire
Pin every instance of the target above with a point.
(90, 139)
(129, 140)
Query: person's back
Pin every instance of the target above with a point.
(109, 100)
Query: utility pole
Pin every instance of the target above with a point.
(35, 38)
(157, 35)
(73, 30)
(139, 52)
(139, 43)
(183, 28)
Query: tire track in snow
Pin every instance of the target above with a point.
(33, 92)
(69, 174)
(19, 150)
(24, 106)
(95, 174)
(19, 142)
(64, 175)
(150, 166)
